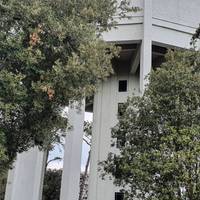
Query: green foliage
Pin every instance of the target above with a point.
(88, 128)
(3, 156)
(50, 52)
(52, 184)
(3, 181)
(196, 36)
(160, 158)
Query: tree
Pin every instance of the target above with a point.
(3, 157)
(159, 133)
(3, 181)
(84, 176)
(52, 184)
(52, 178)
(84, 180)
(51, 52)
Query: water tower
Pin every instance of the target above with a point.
(144, 39)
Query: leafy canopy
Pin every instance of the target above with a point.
(52, 184)
(50, 52)
(159, 133)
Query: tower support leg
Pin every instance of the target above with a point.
(72, 155)
(25, 180)
(146, 46)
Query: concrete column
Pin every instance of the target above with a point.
(146, 47)
(25, 180)
(95, 148)
(72, 156)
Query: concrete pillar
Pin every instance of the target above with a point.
(72, 156)
(25, 180)
(95, 148)
(146, 46)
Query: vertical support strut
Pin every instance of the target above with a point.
(25, 180)
(146, 47)
(72, 156)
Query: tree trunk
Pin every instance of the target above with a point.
(82, 185)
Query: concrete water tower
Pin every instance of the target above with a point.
(144, 39)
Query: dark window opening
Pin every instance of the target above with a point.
(122, 85)
(119, 196)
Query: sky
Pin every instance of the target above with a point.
(59, 151)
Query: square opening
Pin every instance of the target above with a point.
(122, 86)
(119, 196)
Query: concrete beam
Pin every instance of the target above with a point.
(136, 60)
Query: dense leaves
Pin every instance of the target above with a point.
(3, 181)
(160, 158)
(52, 184)
(50, 52)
